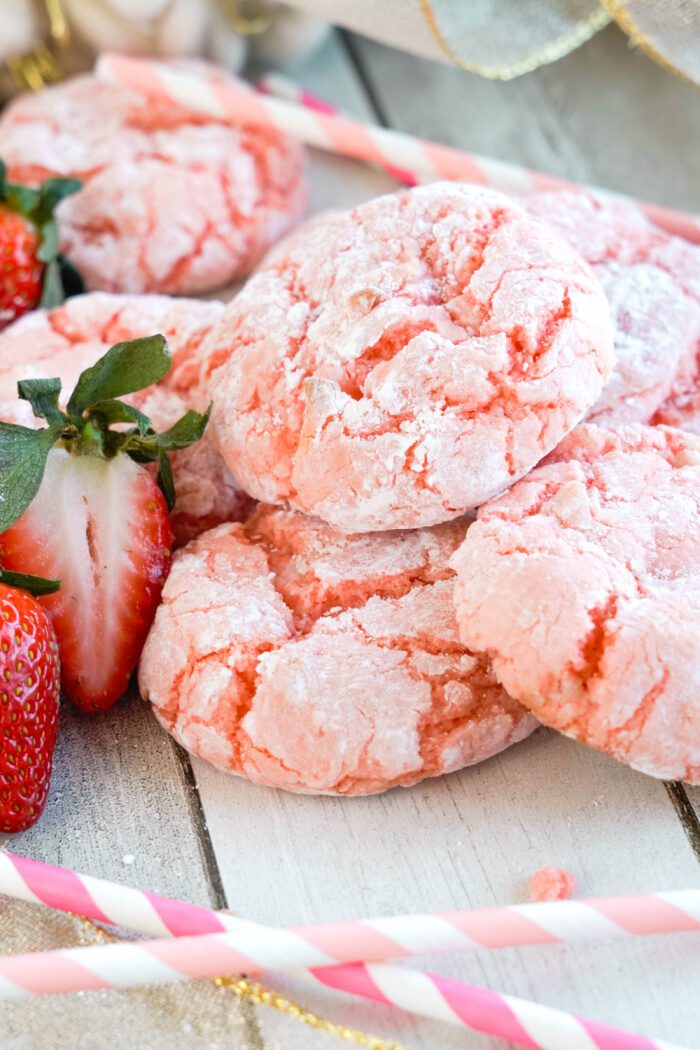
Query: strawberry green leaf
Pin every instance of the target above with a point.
(23, 455)
(42, 395)
(3, 179)
(124, 369)
(165, 479)
(114, 411)
(185, 432)
(21, 199)
(51, 193)
(36, 585)
(143, 448)
(48, 246)
(52, 287)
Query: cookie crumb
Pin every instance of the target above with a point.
(552, 884)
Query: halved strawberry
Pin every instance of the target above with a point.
(76, 504)
(102, 527)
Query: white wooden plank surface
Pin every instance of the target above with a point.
(118, 792)
(470, 839)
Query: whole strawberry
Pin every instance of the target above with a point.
(77, 504)
(29, 268)
(30, 686)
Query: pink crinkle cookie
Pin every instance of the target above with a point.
(64, 341)
(583, 585)
(652, 281)
(171, 203)
(296, 656)
(406, 360)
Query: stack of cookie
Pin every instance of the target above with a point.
(386, 371)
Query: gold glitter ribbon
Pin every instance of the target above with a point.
(35, 69)
(179, 1015)
(257, 993)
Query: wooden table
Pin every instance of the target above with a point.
(127, 803)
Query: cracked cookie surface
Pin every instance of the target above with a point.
(582, 584)
(64, 341)
(171, 202)
(296, 656)
(652, 281)
(402, 362)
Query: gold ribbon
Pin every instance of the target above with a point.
(247, 17)
(668, 31)
(533, 51)
(518, 39)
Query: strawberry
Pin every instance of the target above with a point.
(76, 503)
(30, 273)
(102, 527)
(30, 686)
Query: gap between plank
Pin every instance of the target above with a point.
(685, 813)
(206, 847)
(247, 1009)
(348, 43)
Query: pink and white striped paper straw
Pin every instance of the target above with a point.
(130, 964)
(406, 157)
(247, 947)
(482, 1010)
(369, 940)
(282, 87)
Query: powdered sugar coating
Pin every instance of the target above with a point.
(681, 409)
(64, 341)
(171, 203)
(652, 281)
(583, 585)
(406, 360)
(298, 657)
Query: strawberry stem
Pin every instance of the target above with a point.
(85, 427)
(89, 440)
